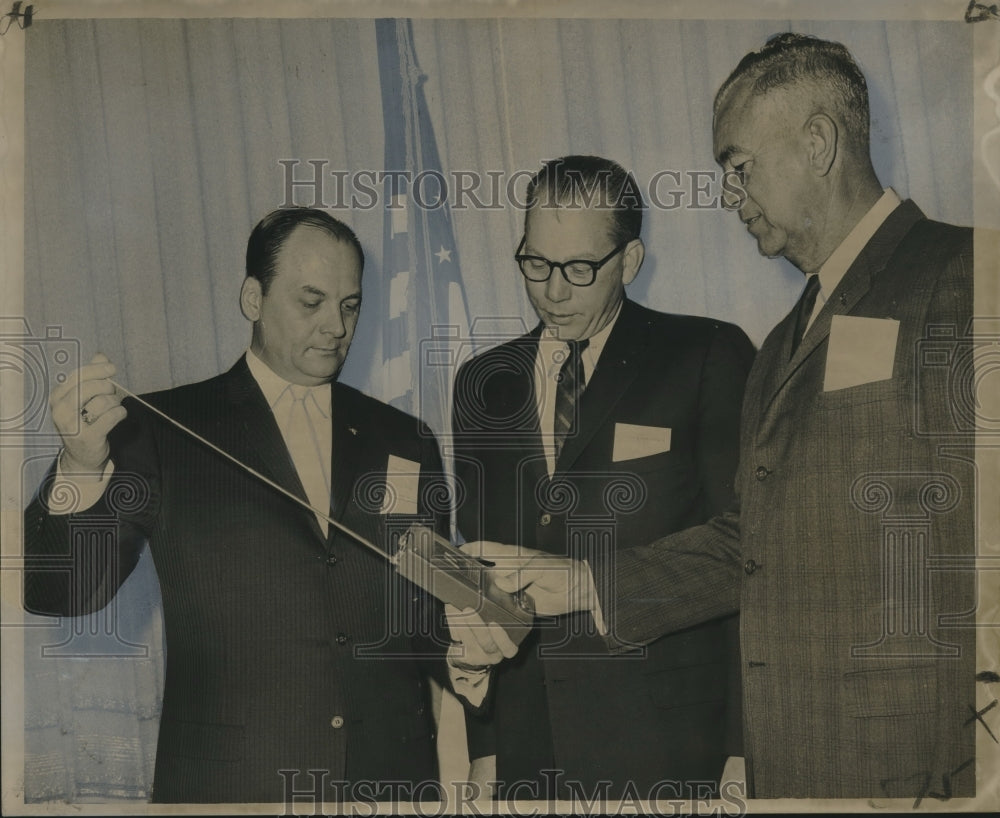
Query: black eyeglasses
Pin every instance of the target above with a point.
(580, 272)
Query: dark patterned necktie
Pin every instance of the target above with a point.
(570, 385)
(804, 310)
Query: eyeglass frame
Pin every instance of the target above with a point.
(595, 266)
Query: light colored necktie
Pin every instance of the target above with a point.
(303, 444)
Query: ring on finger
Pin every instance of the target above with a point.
(467, 668)
(87, 417)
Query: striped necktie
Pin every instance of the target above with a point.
(571, 382)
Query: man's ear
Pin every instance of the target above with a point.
(250, 299)
(822, 134)
(635, 252)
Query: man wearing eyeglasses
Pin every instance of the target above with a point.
(608, 424)
(850, 551)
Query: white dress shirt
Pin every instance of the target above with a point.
(847, 252)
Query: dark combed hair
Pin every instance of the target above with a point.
(273, 231)
(790, 59)
(590, 181)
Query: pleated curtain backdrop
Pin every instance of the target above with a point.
(154, 146)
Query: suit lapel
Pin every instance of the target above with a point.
(519, 403)
(349, 438)
(516, 391)
(853, 287)
(618, 366)
(260, 444)
(772, 360)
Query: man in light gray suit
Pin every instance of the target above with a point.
(856, 478)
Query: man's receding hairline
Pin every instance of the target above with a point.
(305, 225)
(609, 212)
(790, 98)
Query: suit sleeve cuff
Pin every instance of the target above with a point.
(471, 684)
(595, 610)
(73, 493)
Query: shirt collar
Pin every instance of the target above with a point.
(850, 248)
(274, 386)
(596, 341)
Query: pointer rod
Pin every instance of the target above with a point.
(335, 523)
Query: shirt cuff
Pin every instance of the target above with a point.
(472, 685)
(73, 493)
(595, 610)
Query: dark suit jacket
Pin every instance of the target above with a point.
(659, 714)
(279, 639)
(851, 505)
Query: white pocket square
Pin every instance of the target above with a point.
(861, 350)
(402, 486)
(633, 441)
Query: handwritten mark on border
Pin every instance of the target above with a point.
(15, 15)
(975, 13)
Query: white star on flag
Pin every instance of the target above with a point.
(443, 255)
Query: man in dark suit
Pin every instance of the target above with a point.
(291, 667)
(848, 552)
(643, 446)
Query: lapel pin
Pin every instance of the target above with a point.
(843, 298)
(352, 430)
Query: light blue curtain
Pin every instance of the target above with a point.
(154, 146)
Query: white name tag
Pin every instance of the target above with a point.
(861, 350)
(633, 441)
(402, 486)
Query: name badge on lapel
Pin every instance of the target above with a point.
(861, 350)
(633, 441)
(402, 486)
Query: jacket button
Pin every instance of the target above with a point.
(331, 559)
(545, 519)
(337, 722)
(749, 566)
(342, 638)
(760, 473)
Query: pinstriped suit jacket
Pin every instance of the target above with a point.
(279, 639)
(857, 670)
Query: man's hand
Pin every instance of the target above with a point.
(476, 645)
(556, 585)
(84, 410)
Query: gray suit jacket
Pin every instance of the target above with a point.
(847, 552)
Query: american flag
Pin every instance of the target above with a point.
(422, 294)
